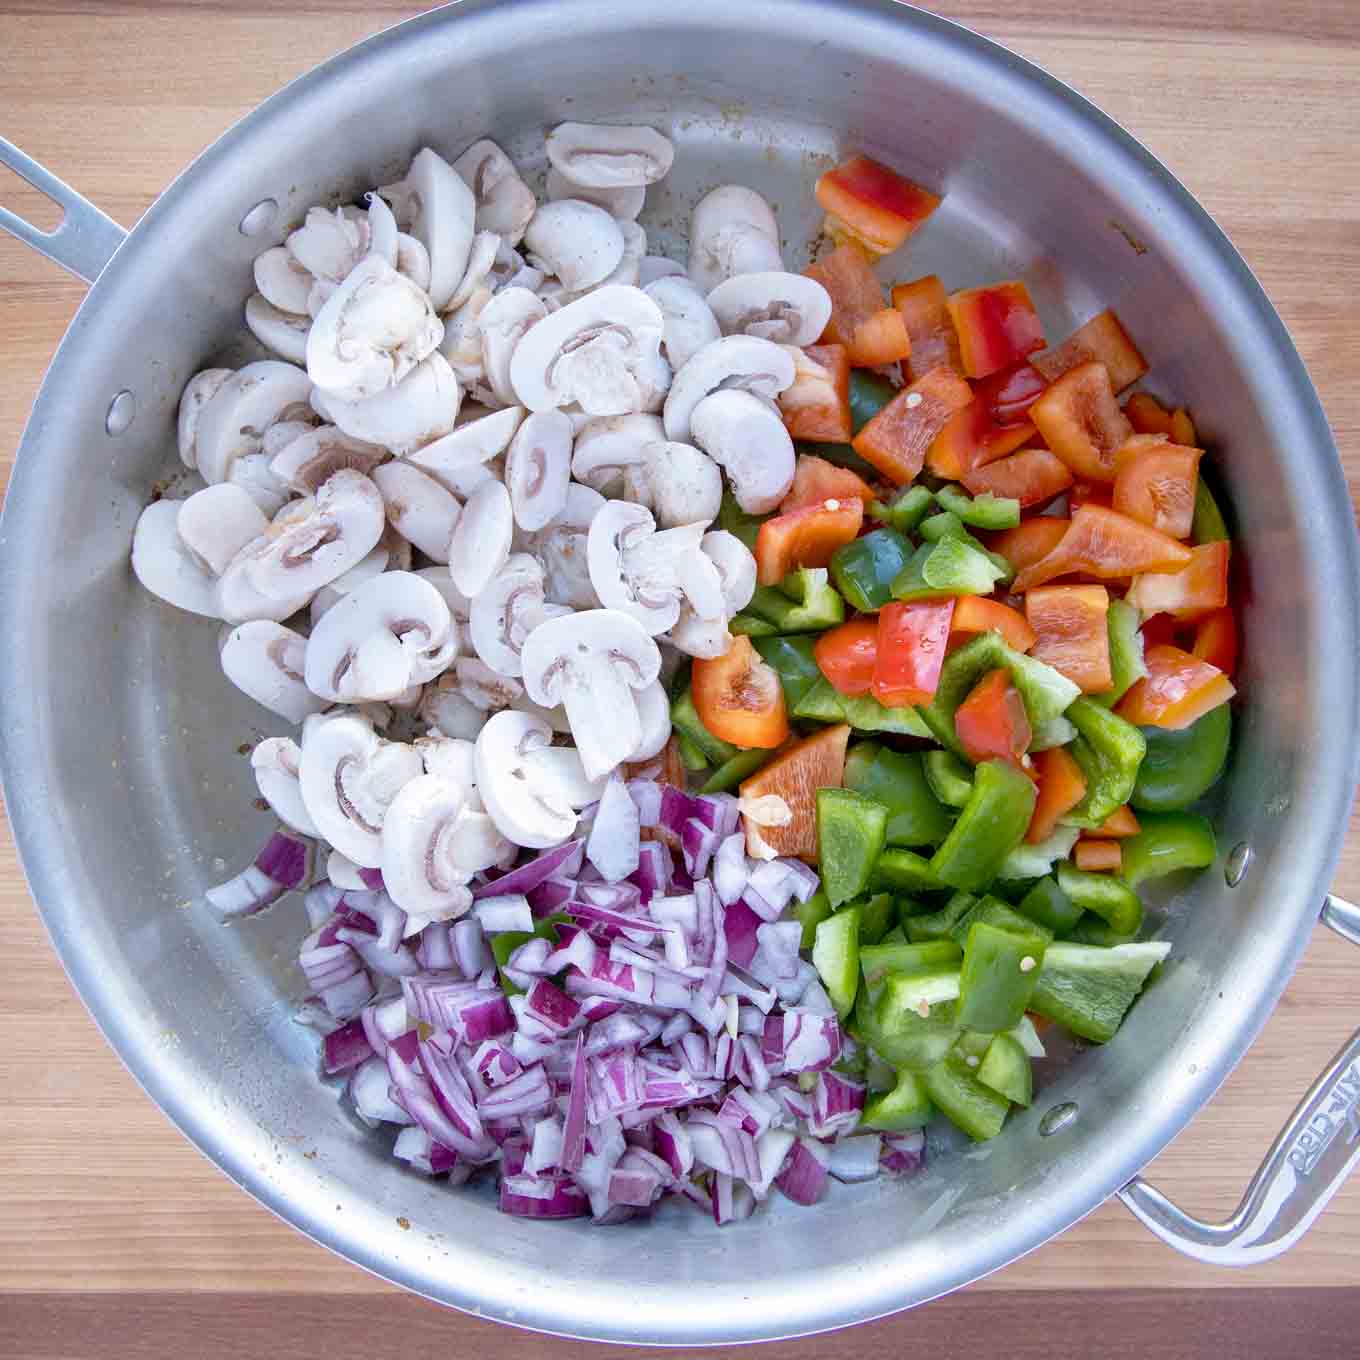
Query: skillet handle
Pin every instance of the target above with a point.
(1304, 1168)
(85, 238)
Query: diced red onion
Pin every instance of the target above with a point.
(552, 1007)
(435, 953)
(777, 953)
(346, 1047)
(494, 1064)
(767, 911)
(370, 1091)
(731, 869)
(508, 911)
(287, 860)
(805, 880)
(373, 879)
(772, 881)
(673, 1144)
(723, 1146)
(399, 962)
(574, 1125)
(549, 895)
(527, 1093)
(855, 1159)
(284, 863)
(646, 796)
(346, 999)
(451, 1092)
(416, 1148)
(904, 1154)
(320, 901)
(604, 1147)
(749, 1110)
(638, 1178)
(804, 1174)
(740, 924)
(836, 1105)
(555, 1196)
(613, 844)
(653, 873)
(545, 1152)
(732, 1199)
(563, 861)
(697, 843)
(325, 965)
(469, 947)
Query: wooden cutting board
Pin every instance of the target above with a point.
(118, 1239)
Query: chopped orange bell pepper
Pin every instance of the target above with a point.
(846, 656)
(997, 326)
(1102, 339)
(1072, 633)
(1183, 428)
(1162, 630)
(1178, 689)
(795, 775)
(1189, 594)
(1216, 640)
(1082, 423)
(817, 406)
(1089, 493)
(977, 614)
(1032, 477)
(1031, 539)
(815, 481)
(1098, 857)
(896, 439)
(871, 333)
(1154, 481)
(805, 538)
(739, 698)
(994, 425)
(1105, 544)
(1147, 415)
(1119, 825)
(1061, 787)
(925, 306)
(866, 202)
(912, 643)
(992, 723)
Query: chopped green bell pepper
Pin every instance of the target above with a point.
(906, 510)
(747, 625)
(993, 911)
(811, 914)
(1181, 766)
(876, 961)
(1034, 861)
(1168, 841)
(939, 925)
(835, 956)
(686, 721)
(913, 1022)
(878, 1075)
(907, 872)
(1109, 751)
(897, 780)
(877, 916)
(981, 512)
(1103, 895)
(1055, 732)
(972, 1043)
(792, 660)
(731, 772)
(865, 568)
(976, 1109)
(1047, 905)
(998, 976)
(1006, 1069)
(820, 703)
(737, 522)
(803, 602)
(948, 525)
(1208, 525)
(864, 713)
(870, 392)
(906, 1106)
(850, 836)
(691, 757)
(990, 825)
(1027, 1037)
(1090, 989)
(938, 570)
(1092, 930)
(950, 779)
(1127, 667)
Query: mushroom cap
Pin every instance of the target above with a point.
(563, 549)
(421, 408)
(329, 243)
(382, 229)
(538, 468)
(741, 362)
(654, 715)
(217, 522)
(606, 445)
(165, 566)
(275, 762)
(265, 660)
(617, 534)
(381, 638)
(445, 219)
(317, 453)
(688, 323)
(418, 507)
(576, 242)
(426, 866)
(684, 485)
(736, 571)
(198, 392)
(787, 309)
(477, 276)
(233, 421)
(481, 541)
(507, 611)
(472, 444)
(629, 268)
(622, 204)
(251, 473)
(282, 333)
(371, 332)
(349, 776)
(282, 281)
(413, 260)
(604, 157)
(502, 325)
(655, 267)
(747, 437)
(732, 231)
(504, 202)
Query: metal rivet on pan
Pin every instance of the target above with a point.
(1238, 863)
(122, 411)
(1058, 1118)
(259, 218)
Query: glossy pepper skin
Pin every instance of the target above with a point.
(1182, 766)
(910, 652)
(1047, 905)
(851, 832)
(793, 661)
(1104, 340)
(1168, 841)
(1109, 751)
(992, 723)
(1089, 989)
(803, 602)
(906, 510)
(897, 780)
(846, 656)
(955, 1089)
(865, 569)
(997, 977)
(990, 825)
(1102, 895)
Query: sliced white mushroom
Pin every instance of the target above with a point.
(504, 202)
(462, 343)
(233, 422)
(501, 326)
(629, 268)
(736, 568)
(592, 663)
(382, 229)
(688, 323)
(654, 378)
(469, 446)
(252, 473)
(606, 446)
(732, 231)
(477, 277)
(315, 455)
(282, 333)
(374, 329)
(563, 549)
(413, 260)
(623, 203)
(445, 219)
(481, 541)
(425, 869)
(576, 242)
(372, 564)
(607, 157)
(420, 409)
(283, 282)
(446, 708)
(788, 309)
(329, 243)
(677, 483)
(418, 507)
(265, 660)
(309, 544)
(344, 873)
(589, 352)
(275, 762)
(217, 522)
(654, 267)
(746, 436)
(198, 392)
(538, 468)
(166, 567)
(386, 635)
(741, 362)
(654, 715)
(507, 611)
(349, 776)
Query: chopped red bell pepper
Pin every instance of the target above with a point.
(1031, 540)
(1154, 481)
(739, 698)
(997, 326)
(1183, 428)
(1119, 825)
(1072, 633)
(1189, 594)
(1105, 544)
(977, 614)
(1102, 339)
(805, 538)
(1089, 493)
(994, 425)
(896, 439)
(817, 406)
(992, 723)
(1147, 415)
(1082, 423)
(1162, 630)
(1178, 689)
(846, 656)
(1098, 857)
(1216, 640)
(873, 205)
(925, 306)
(871, 333)
(815, 481)
(1062, 786)
(1032, 477)
(912, 641)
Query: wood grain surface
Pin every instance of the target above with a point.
(118, 1239)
